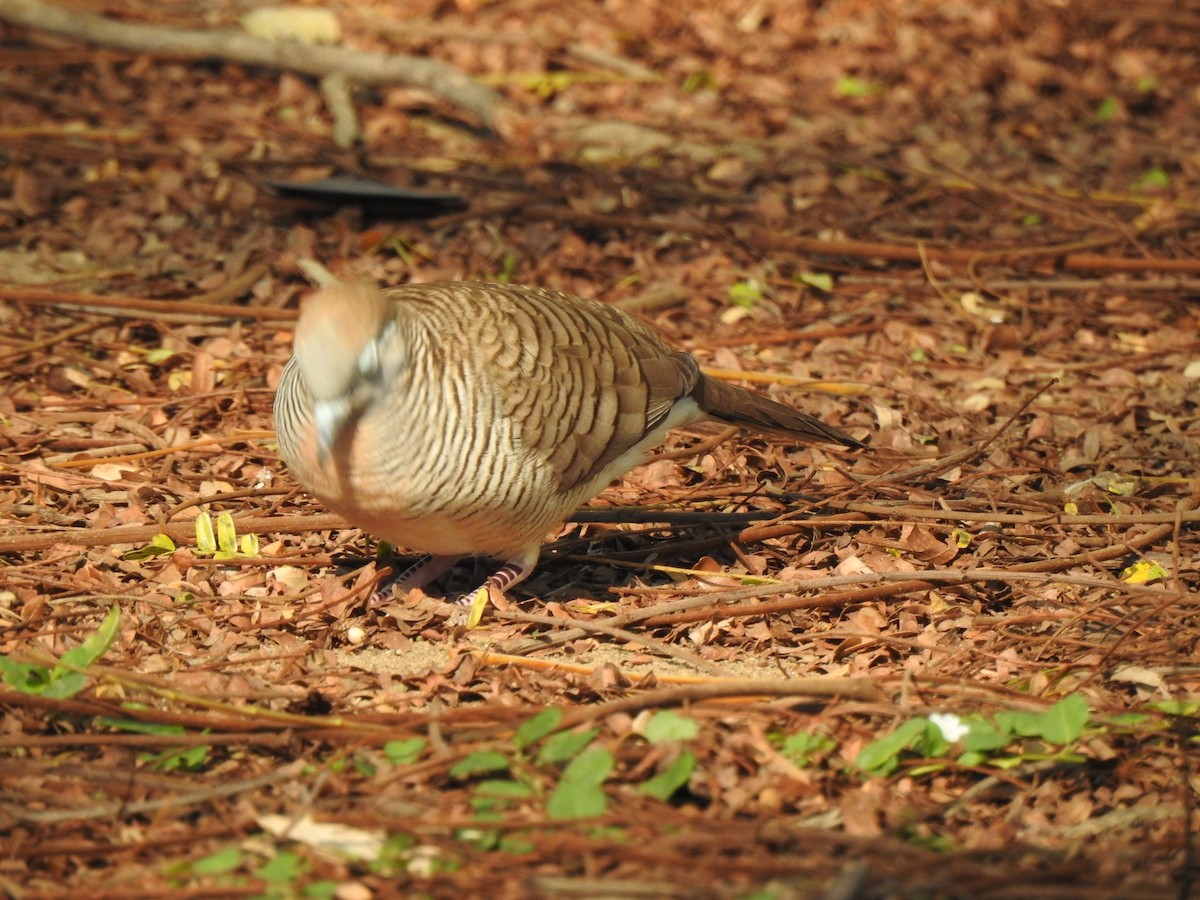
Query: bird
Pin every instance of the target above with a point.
(465, 418)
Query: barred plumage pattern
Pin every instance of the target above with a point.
(464, 418)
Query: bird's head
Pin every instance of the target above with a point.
(340, 349)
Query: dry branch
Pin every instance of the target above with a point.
(770, 241)
(356, 65)
(94, 303)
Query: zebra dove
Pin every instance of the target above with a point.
(464, 418)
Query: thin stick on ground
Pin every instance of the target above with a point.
(356, 65)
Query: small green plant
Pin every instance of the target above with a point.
(511, 779)
(1109, 107)
(405, 752)
(746, 293)
(664, 785)
(62, 681)
(803, 747)
(853, 86)
(188, 759)
(579, 793)
(508, 268)
(698, 81)
(221, 543)
(978, 739)
(821, 281)
(1153, 181)
(220, 862)
(283, 873)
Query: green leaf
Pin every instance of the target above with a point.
(745, 293)
(163, 542)
(320, 890)
(160, 545)
(405, 752)
(283, 867)
(882, 757)
(96, 644)
(668, 725)
(63, 684)
(853, 86)
(479, 603)
(1019, 723)
(928, 768)
(533, 730)
(1130, 720)
(223, 861)
(483, 839)
(226, 533)
(576, 800)
(801, 747)
(1170, 707)
(565, 745)
(1155, 179)
(1063, 723)
(248, 545)
(698, 81)
(591, 766)
(822, 281)
(479, 762)
(194, 758)
(188, 759)
(206, 539)
(670, 779)
(1108, 108)
(983, 736)
(1142, 572)
(159, 356)
(516, 844)
(24, 677)
(514, 790)
(508, 268)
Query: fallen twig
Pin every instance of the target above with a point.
(357, 65)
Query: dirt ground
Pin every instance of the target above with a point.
(966, 233)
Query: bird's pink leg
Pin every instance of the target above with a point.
(417, 575)
(514, 571)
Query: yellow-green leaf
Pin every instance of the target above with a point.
(226, 533)
(206, 539)
(160, 545)
(822, 281)
(1142, 571)
(479, 603)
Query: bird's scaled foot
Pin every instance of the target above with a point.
(417, 575)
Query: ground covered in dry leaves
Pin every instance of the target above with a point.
(976, 225)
